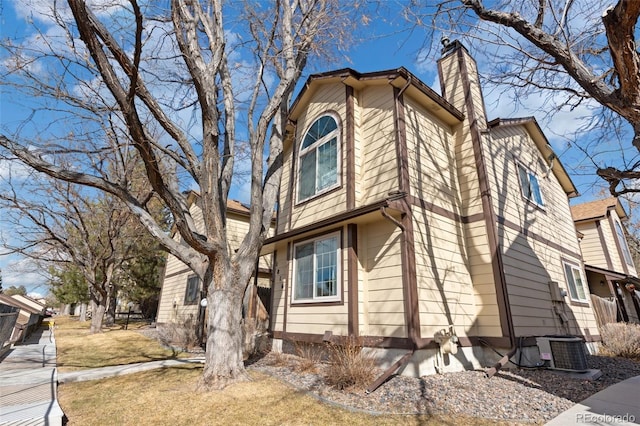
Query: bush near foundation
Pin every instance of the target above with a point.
(309, 357)
(348, 366)
(621, 339)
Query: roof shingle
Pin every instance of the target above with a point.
(596, 209)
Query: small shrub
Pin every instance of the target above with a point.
(181, 334)
(309, 357)
(620, 339)
(349, 366)
(278, 359)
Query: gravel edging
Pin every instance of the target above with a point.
(518, 395)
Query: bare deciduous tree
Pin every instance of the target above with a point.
(578, 53)
(191, 89)
(95, 234)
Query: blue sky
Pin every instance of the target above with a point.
(389, 44)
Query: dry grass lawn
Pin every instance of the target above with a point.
(77, 349)
(169, 396)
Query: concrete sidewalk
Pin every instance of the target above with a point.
(28, 394)
(119, 370)
(29, 379)
(617, 405)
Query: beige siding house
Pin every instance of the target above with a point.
(30, 315)
(182, 290)
(410, 220)
(611, 273)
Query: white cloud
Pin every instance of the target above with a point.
(17, 271)
(43, 11)
(13, 169)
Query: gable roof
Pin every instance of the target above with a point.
(30, 301)
(597, 209)
(12, 301)
(234, 206)
(542, 143)
(400, 78)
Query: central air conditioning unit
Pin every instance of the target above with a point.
(563, 353)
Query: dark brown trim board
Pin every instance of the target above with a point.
(286, 286)
(273, 286)
(441, 211)
(331, 221)
(388, 342)
(407, 238)
(350, 127)
(352, 279)
(497, 265)
(180, 272)
(292, 177)
(537, 237)
(409, 276)
(401, 141)
(615, 238)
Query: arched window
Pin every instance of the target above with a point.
(318, 165)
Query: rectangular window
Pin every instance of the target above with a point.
(623, 243)
(530, 186)
(575, 283)
(193, 288)
(316, 275)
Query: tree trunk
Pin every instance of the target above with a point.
(224, 363)
(110, 318)
(83, 312)
(97, 314)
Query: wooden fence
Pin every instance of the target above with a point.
(604, 309)
(7, 324)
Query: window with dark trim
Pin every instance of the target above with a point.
(575, 283)
(319, 156)
(530, 185)
(623, 243)
(316, 272)
(192, 291)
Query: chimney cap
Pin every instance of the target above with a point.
(445, 41)
(448, 45)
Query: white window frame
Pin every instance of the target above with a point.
(622, 240)
(314, 147)
(338, 272)
(575, 271)
(529, 187)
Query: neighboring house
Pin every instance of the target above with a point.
(611, 273)
(42, 307)
(29, 317)
(8, 317)
(182, 290)
(406, 218)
